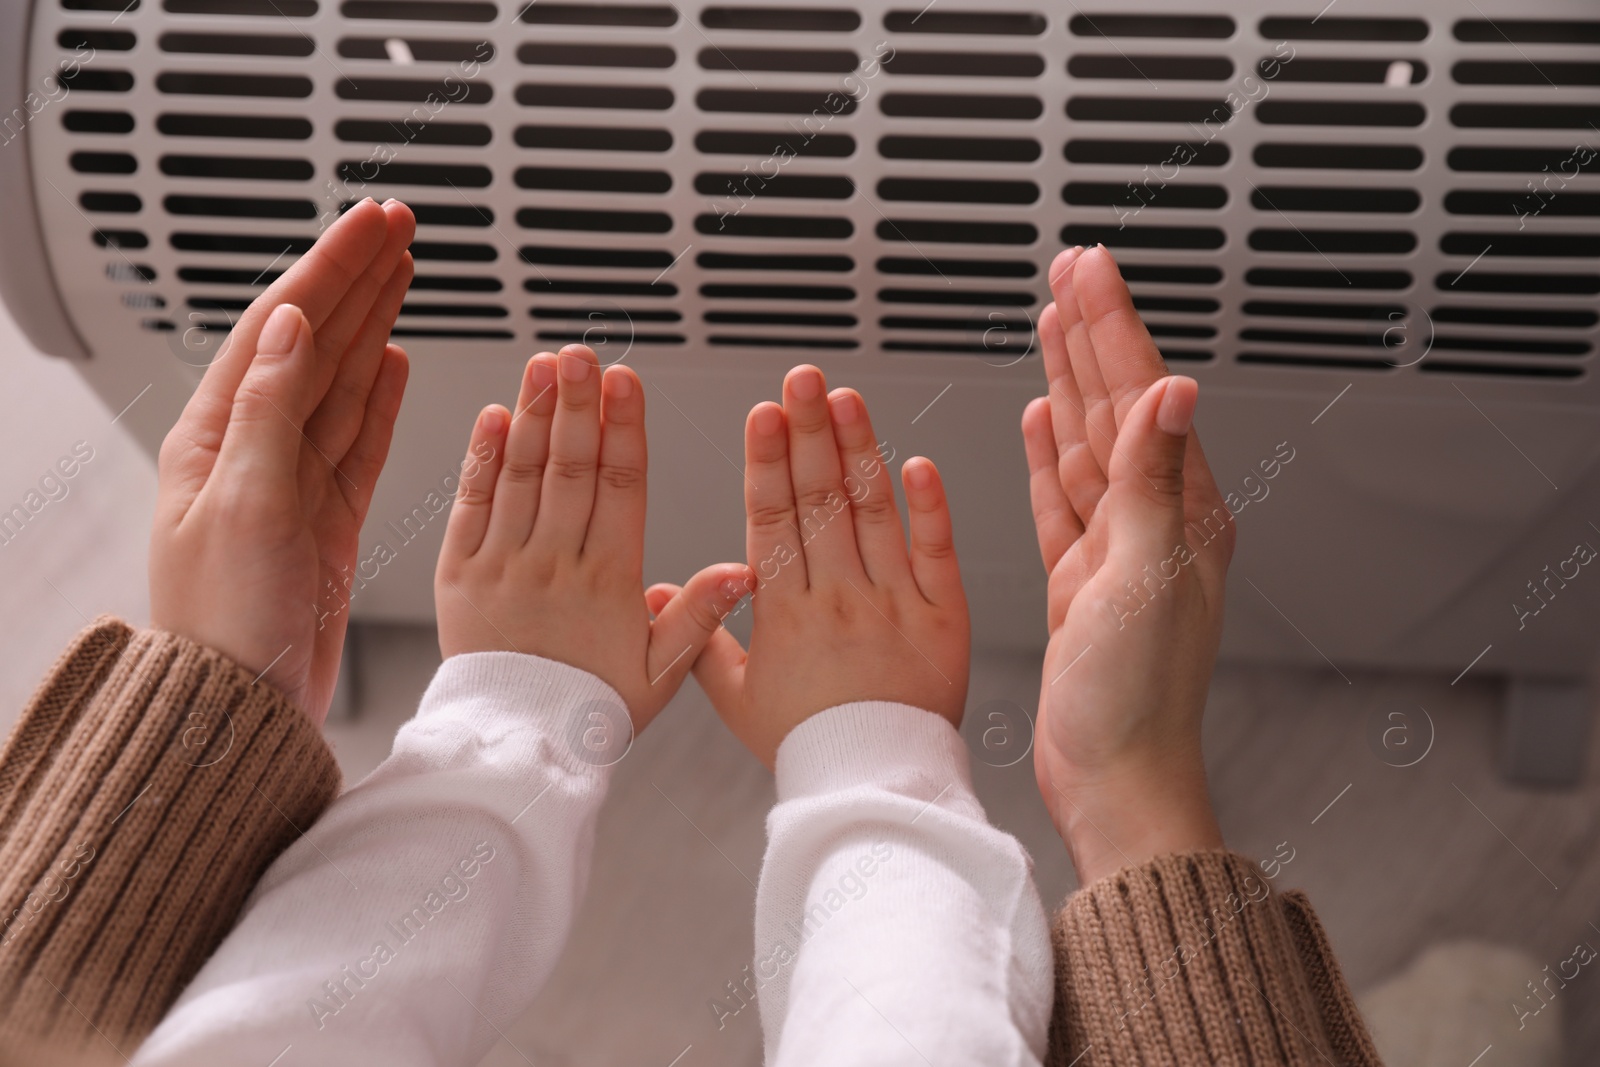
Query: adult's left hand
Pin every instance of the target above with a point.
(267, 475)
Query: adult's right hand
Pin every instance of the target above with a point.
(267, 475)
(1137, 540)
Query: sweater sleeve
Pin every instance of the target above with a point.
(146, 786)
(894, 925)
(423, 912)
(1192, 958)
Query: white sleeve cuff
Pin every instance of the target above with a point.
(897, 747)
(501, 694)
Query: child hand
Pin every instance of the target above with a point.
(267, 475)
(843, 612)
(1137, 542)
(544, 549)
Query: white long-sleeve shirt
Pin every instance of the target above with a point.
(424, 911)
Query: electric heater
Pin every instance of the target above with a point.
(1370, 231)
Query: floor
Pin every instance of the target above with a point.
(1395, 859)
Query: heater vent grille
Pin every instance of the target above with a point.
(1399, 195)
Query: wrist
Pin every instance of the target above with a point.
(1130, 819)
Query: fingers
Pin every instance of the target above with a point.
(261, 447)
(879, 539)
(1147, 471)
(688, 621)
(656, 597)
(617, 530)
(1065, 401)
(521, 478)
(771, 532)
(720, 672)
(1128, 359)
(1054, 519)
(721, 663)
(1100, 423)
(1078, 470)
(469, 517)
(1203, 499)
(566, 499)
(340, 411)
(826, 532)
(314, 283)
(933, 551)
(345, 317)
(364, 461)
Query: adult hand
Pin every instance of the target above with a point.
(267, 475)
(1137, 541)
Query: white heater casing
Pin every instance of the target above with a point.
(716, 192)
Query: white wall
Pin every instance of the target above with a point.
(80, 555)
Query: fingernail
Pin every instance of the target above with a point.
(541, 374)
(1061, 269)
(622, 384)
(278, 335)
(768, 420)
(493, 420)
(574, 369)
(845, 408)
(918, 475)
(1176, 413)
(806, 384)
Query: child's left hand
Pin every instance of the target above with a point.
(544, 551)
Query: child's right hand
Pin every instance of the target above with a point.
(843, 612)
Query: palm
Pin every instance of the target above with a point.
(1087, 683)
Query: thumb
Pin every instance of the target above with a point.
(272, 404)
(1146, 474)
(660, 595)
(690, 618)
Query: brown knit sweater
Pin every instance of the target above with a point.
(146, 787)
(1193, 959)
(150, 782)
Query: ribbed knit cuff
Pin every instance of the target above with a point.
(148, 784)
(903, 748)
(1186, 959)
(585, 717)
(1350, 1042)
